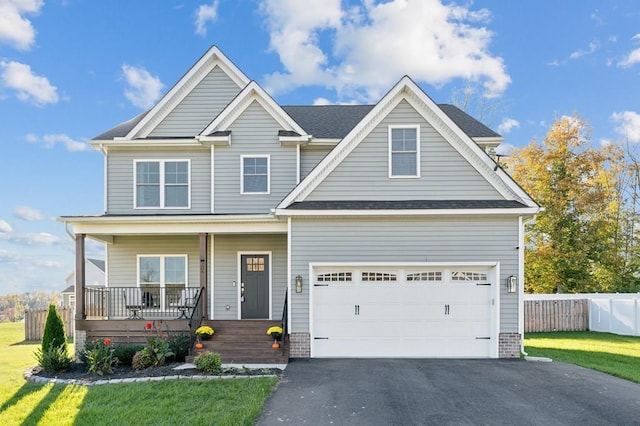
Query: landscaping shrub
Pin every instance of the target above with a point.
(179, 343)
(100, 359)
(142, 360)
(53, 335)
(54, 359)
(209, 362)
(125, 353)
(52, 356)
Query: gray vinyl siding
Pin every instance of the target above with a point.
(199, 107)
(122, 256)
(120, 180)
(310, 157)
(364, 174)
(225, 271)
(255, 132)
(407, 239)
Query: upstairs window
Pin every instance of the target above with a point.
(255, 174)
(404, 151)
(161, 184)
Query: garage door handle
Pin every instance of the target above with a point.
(356, 309)
(446, 309)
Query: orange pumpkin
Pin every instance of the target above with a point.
(199, 345)
(275, 345)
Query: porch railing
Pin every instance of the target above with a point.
(196, 316)
(144, 302)
(285, 317)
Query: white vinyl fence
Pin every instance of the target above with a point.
(614, 315)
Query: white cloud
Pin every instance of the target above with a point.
(33, 239)
(633, 57)
(28, 213)
(15, 29)
(205, 13)
(50, 140)
(504, 149)
(373, 45)
(143, 88)
(29, 87)
(593, 46)
(628, 124)
(5, 228)
(508, 124)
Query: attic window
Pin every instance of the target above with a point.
(255, 174)
(404, 151)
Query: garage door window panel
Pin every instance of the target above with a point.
(335, 277)
(468, 276)
(424, 276)
(379, 277)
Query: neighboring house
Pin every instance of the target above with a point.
(378, 230)
(94, 277)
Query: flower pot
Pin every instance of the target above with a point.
(275, 345)
(204, 336)
(199, 345)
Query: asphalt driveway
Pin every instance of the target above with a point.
(449, 392)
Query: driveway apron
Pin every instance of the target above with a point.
(449, 392)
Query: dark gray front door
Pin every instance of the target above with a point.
(255, 286)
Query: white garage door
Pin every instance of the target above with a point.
(404, 312)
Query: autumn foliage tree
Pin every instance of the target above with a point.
(577, 243)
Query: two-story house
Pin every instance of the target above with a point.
(379, 230)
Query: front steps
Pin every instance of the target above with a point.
(243, 342)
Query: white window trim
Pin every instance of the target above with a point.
(162, 183)
(407, 126)
(268, 157)
(162, 257)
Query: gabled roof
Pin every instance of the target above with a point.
(407, 90)
(252, 92)
(212, 58)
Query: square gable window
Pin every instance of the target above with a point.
(404, 151)
(255, 174)
(162, 184)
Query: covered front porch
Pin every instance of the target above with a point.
(182, 278)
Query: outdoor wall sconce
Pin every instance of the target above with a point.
(298, 283)
(512, 284)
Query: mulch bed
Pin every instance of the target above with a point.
(79, 372)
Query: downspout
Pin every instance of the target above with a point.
(521, 249)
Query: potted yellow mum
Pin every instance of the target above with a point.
(276, 333)
(204, 332)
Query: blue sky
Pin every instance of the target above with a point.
(71, 69)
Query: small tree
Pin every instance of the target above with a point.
(54, 335)
(53, 356)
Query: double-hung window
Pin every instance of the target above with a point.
(161, 277)
(404, 151)
(162, 184)
(255, 177)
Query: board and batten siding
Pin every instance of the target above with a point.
(310, 157)
(255, 132)
(199, 107)
(122, 256)
(225, 271)
(120, 180)
(364, 173)
(408, 239)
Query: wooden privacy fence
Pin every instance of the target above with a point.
(556, 315)
(34, 322)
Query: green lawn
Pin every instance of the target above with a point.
(216, 402)
(609, 353)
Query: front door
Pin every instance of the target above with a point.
(254, 286)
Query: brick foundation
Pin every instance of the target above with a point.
(300, 345)
(509, 345)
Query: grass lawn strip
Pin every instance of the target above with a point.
(605, 352)
(166, 402)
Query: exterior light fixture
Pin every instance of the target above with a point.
(298, 283)
(512, 284)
